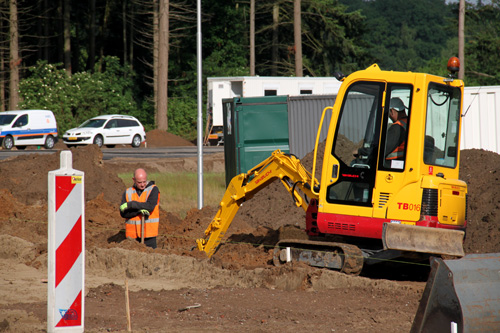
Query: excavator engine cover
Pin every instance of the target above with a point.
(461, 295)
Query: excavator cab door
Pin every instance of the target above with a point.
(365, 140)
(356, 145)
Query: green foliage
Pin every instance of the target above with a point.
(482, 45)
(332, 38)
(182, 117)
(405, 34)
(225, 43)
(345, 35)
(438, 65)
(84, 95)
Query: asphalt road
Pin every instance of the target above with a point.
(109, 153)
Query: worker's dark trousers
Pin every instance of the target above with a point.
(149, 241)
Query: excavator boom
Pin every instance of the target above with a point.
(286, 168)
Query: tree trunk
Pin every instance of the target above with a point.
(274, 47)
(92, 17)
(60, 32)
(297, 32)
(15, 61)
(67, 35)
(132, 36)
(104, 32)
(155, 57)
(46, 31)
(124, 31)
(2, 72)
(163, 39)
(252, 37)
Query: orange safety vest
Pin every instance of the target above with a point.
(151, 223)
(399, 152)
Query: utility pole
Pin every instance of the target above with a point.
(252, 37)
(461, 53)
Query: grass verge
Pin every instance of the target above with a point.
(179, 190)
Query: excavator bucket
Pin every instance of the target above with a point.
(405, 237)
(461, 295)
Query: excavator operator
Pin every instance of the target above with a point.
(396, 133)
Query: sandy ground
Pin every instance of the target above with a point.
(176, 289)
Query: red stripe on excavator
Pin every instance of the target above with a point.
(368, 227)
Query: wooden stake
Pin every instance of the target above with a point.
(127, 306)
(142, 229)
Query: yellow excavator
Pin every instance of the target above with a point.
(389, 190)
(389, 183)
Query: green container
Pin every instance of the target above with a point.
(254, 127)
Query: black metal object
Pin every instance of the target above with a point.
(343, 257)
(461, 295)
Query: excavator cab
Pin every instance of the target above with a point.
(390, 161)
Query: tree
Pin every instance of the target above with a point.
(15, 61)
(3, 49)
(297, 34)
(274, 50)
(405, 34)
(482, 41)
(83, 95)
(331, 37)
(67, 35)
(163, 41)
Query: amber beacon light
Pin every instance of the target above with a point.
(453, 65)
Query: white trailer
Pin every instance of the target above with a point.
(219, 88)
(480, 126)
(481, 123)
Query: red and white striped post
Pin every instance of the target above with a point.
(66, 248)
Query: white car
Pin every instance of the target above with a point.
(108, 130)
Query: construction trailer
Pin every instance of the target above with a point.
(481, 118)
(480, 128)
(219, 88)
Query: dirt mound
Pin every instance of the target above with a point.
(160, 138)
(274, 206)
(31, 185)
(243, 265)
(257, 222)
(480, 169)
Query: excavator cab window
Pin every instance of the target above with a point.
(442, 125)
(356, 144)
(395, 127)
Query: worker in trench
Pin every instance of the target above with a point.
(142, 200)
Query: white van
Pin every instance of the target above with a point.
(23, 128)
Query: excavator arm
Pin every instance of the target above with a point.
(286, 168)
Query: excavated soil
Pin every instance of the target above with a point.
(175, 288)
